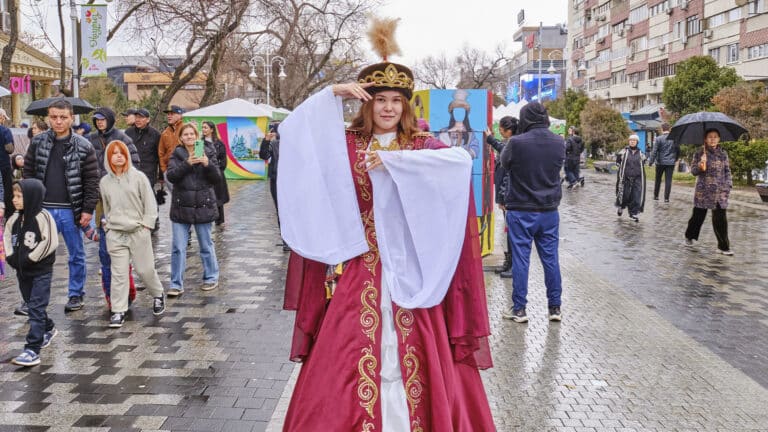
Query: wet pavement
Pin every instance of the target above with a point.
(655, 337)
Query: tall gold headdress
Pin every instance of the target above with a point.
(386, 75)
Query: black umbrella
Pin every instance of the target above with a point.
(40, 107)
(690, 128)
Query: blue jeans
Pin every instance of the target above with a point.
(73, 238)
(543, 229)
(36, 292)
(106, 263)
(180, 237)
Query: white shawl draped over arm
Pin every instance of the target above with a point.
(317, 203)
(420, 205)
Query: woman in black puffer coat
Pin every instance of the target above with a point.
(193, 204)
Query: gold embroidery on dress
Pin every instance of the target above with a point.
(404, 320)
(413, 387)
(360, 176)
(376, 145)
(370, 258)
(366, 386)
(367, 426)
(369, 319)
(416, 425)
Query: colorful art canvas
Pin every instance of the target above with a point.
(241, 137)
(459, 118)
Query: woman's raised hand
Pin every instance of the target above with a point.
(353, 90)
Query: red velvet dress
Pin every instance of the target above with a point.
(339, 340)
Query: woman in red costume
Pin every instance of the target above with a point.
(391, 315)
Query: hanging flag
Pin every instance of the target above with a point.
(530, 40)
(93, 37)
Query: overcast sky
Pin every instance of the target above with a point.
(428, 27)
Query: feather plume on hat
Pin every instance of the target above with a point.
(382, 36)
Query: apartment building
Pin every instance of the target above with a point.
(621, 50)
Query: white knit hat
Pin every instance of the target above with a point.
(634, 137)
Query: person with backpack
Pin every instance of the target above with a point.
(574, 145)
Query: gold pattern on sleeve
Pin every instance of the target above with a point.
(366, 385)
(413, 387)
(404, 320)
(369, 318)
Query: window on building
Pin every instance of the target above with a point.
(715, 54)
(757, 51)
(757, 6)
(693, 25)
(603, 30)
(660, 68)
(678, 29)
(734, 14)
(638, 14)
(733, 53)
(716, 20)
(619, 77)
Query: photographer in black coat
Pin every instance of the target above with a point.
(507, 128)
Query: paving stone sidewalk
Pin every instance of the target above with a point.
(217, 361)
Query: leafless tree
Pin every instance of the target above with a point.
(480, 69)
(199, 28)
(436, 72)
(8, 50)
(320, 40)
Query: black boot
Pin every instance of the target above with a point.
(506, 265)
(506, 274)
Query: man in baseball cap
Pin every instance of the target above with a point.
(129, 116)
(174, 109)
(169, 138)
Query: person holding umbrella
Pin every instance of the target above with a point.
(713, 188)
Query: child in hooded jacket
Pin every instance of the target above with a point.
(30, 241)
(130, 210)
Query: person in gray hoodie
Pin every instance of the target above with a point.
(130, 209)
(104, 133)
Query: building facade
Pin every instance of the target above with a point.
(141, 84)
(621, 50)
(542, 55)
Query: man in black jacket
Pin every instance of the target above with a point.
(573, 148)
(66, 164)
(146, 139)
(665, 153)
(533, 159)
(106, 132)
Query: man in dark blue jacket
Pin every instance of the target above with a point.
(665, 153)
(533, 158)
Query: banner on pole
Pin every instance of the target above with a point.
(93, 25)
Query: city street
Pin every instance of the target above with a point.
(655, 336)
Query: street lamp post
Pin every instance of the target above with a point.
(268, 61)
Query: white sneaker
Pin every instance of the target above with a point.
(727, 252)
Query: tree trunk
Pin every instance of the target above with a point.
(8, 50)
(210, 83)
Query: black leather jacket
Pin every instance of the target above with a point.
(193, 199)
(665, 151)
(82, 169)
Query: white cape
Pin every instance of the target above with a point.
(317, 203)
(420, 206)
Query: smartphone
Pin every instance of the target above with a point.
(199, 148)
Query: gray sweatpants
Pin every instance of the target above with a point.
(124, 248)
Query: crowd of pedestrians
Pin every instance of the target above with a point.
(100, 183)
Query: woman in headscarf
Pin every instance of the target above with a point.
(713, 188)
(630, 182)
(391, 322)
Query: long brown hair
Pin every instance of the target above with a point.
(187, 126)
(408, 126)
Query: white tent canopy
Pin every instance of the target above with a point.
(232, 108)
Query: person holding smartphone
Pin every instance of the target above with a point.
(194, 172)
(270, 152)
